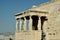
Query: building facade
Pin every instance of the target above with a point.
(39, 23)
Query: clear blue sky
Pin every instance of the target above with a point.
(10, 7)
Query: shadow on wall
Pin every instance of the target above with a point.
(10, 39)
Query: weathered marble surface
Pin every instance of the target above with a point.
(51, 27)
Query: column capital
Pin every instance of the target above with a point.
(17, 18)
(30, 17)
(24, 18)
(39, 16)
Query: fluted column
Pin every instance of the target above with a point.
(16, 25)
(39, 24)
(24, 24)
(30, 23)
(20, 24)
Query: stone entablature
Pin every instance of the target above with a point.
(31, 13)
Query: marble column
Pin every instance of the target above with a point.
(16, 25)
(20, 24)
(39, 27)
(39, 24)
(24, 24)
(30, 24)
